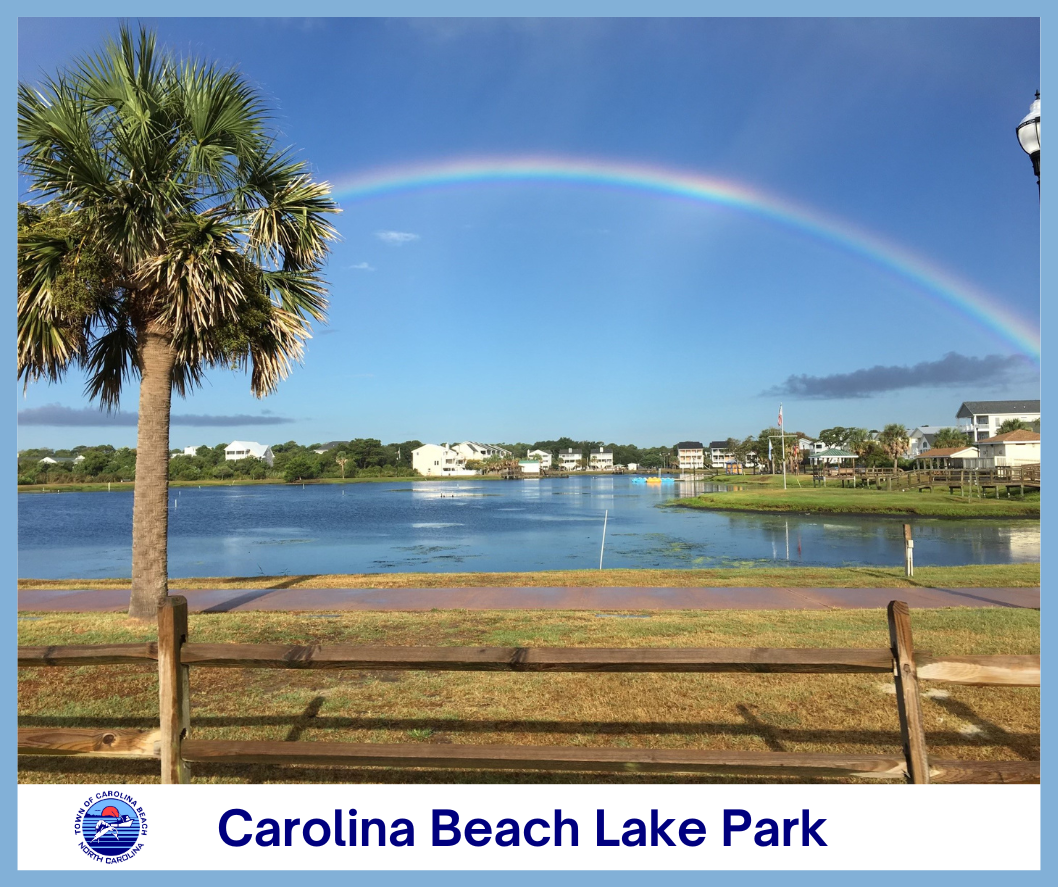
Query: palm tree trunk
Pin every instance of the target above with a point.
(150, 509)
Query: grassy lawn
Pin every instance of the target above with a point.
(970, 576)
(766, 494)
(826, 713)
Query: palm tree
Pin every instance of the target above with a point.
(894, 441)
(174, 237)
(1011, 425)
(950, 437)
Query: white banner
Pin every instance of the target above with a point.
(469, 827)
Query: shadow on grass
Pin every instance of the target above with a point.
(776, 738)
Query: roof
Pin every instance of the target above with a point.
(971, 408)
(718, 445)
(690, 445)
(949, 452)
(834, 453)
(602, 451)
(569, 451)
(1021, 435)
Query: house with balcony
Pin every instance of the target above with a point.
(719, 454)
(542, 456)
(981, 419)
(570, 459)
(600, 459)
(691, 455)
(439, 460)
(248, 449)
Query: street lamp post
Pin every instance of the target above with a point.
(1029, 136)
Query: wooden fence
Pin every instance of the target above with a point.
(175, 749)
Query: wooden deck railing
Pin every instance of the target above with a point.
(172, 746)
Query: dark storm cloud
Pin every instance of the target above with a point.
(67, 417)
(991, 371)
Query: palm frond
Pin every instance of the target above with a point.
(111, 361)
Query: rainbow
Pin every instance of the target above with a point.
(940, 284)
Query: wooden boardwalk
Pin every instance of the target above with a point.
(968, 481)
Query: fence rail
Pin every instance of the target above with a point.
(175, 749)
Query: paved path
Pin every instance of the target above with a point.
(336, 599)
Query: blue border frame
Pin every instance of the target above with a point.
(559, 8)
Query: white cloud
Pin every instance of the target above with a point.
(361, 266)
(396, 238)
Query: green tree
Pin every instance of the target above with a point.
(301, 468)
(178, 237)
(950, 437)
(894, 441)
(1012, 425)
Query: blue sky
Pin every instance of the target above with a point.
(528, 310)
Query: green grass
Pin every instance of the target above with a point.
(821, 713)
(767, 495)
(968, 576)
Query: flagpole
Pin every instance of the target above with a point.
(782, 438)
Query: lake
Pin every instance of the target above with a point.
(476, 525)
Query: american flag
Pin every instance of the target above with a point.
(780, 415)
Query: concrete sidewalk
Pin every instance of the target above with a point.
(338, 599)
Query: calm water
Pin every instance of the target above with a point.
(543, 524)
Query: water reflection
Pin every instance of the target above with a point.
(538, 524)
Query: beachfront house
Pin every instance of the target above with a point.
(719, 454)
(529, 466)
(570, 459)
(248, 449)
(61, 460)
(600, 459)
(691, 455)
(1012, 448)
(542, 456)
(981, 419)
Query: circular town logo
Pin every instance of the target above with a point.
(110, 827)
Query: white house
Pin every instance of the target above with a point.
(1013, 448)
(600, 459)
(719, 454)
(438, 460)
(921, 439)
(529, 466)
(248, 449)
(191, 451)
(691, 454)
(569, 459)
(470, 449)
(981, 418)
(542, 455)
(633, 466)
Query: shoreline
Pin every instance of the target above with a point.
(964, 576)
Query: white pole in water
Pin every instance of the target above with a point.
(605, 515)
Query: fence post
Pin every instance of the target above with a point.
(909, 552)
(908, 703)
(174, 697)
